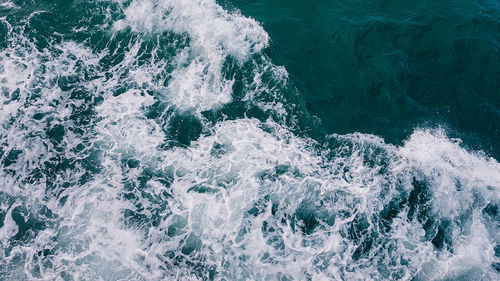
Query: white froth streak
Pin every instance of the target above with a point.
(8, 4)
(425, 147)
(449, 166)
(89, 229)
(124, 125)
(198, 82)
(457, 179)
(9, 228)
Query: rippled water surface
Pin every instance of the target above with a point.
(249, 140)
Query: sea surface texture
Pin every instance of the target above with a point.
(249, 140)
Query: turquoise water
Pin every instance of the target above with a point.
(385, 67)
(249, 140)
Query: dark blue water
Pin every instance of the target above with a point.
(249, 140)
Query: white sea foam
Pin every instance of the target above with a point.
(9, 228)
(214, 35)
(125, 126)
(8, 4)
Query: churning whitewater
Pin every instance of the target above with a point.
(156, 140)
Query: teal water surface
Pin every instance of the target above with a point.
(249, 140)
(385, 67)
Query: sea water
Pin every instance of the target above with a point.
(249, 140)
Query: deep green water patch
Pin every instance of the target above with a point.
(385, 67)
